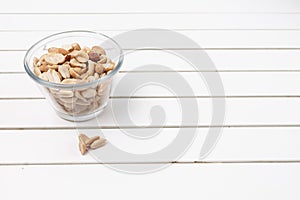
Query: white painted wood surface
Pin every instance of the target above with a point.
(224, 60)
(210, 181)
(133, 21)
(255, 47)
(236, 145)
(207, 39)
(235, 84)
(167, 6)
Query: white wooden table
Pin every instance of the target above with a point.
(255, 46)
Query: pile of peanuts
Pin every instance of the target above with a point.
(86, 143)
(72, 64)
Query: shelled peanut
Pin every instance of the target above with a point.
(72, 64)
(86, 143)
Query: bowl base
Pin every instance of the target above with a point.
(79, 118)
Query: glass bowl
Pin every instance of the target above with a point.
(76, 102)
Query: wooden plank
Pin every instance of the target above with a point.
(211, 39)
(227, 60)
(166, 6)
(136, 21)
(235, 84)
(216, 181)
(235, 145)
(239, 112)
(242, 60)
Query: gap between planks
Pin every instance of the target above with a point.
(142, 163)
(150, 127)
(213, 48)
(173, 29)
(147, 13)
(185, 71)
(165, 97)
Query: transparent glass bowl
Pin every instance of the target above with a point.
(66, 99)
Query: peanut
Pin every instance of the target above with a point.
(82, 146)
(76, 46)
(82, 57)
(86, 142)
(98, 143)
(53, 76)
(99, 50)
(44, 76)
(58, 50)
(75, 63)
(37, 71)
(64, 70)
(89, 141)
(73, 73)
(54, 58)
(103, 59)
(99, 68)
(94, 56)
(88, 93)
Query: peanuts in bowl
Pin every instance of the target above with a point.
(75, 77)
(73, 64)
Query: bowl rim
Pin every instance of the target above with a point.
(78, 85)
